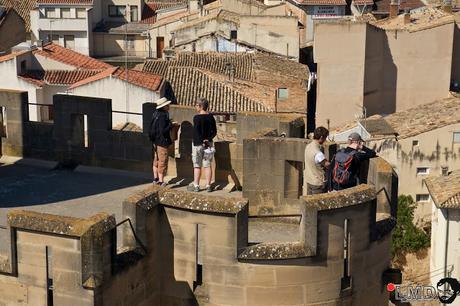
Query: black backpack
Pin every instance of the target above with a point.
(341, 173)
(153, 131)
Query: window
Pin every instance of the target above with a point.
(130, 39)
(423, 170)
(414, 143)
(133, 12)
(69, 41)
(23, 66)
(283, 93)
(65, 13)
(117, 10)
(81, 13)
(50, 12)
(54, 38)
(424, 197)
(233, 34)
(456, 137)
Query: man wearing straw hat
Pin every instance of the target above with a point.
(160, 129)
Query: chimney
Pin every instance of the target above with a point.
(406, 17)
(444, 171)
(447, 6)
(394, 8)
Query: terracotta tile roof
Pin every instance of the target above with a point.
(421, 19)
(70, 57)
(32, 80)
(191, 83)
(383, 6)
(12, 55)
(138, 78)
(244, 64)
(363, 2)
(321, 2)
(417, 120)
(256, 78)
(149, 13)
(84, 2)
(22, 7)
(445, 190)
(57, 77)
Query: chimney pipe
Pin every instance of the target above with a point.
(444, 171)
(394, 8)
(447, 6)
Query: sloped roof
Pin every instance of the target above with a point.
(22, 7)
(383, 6)
(70, 57)
(420, 119)
(149, 13)
(57, 77)
(421, 19)
(218, 15)
(210, 70)
(82, 2)
(445, 190)
(138, 78)
(320, 2)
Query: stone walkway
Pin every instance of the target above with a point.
(36, 185)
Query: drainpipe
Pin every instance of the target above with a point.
(446, 274)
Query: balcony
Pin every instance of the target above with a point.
(55, 24)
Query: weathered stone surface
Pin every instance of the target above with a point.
(199, 202)
(344, 198)
(264, 251)
(61, 225)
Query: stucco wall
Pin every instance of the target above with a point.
(115, 89)
(392, 70)
(106, 45)
(338, 94)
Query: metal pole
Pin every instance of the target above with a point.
(126, 68)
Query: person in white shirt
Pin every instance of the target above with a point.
(316, 163)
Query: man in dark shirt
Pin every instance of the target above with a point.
(357, 153)
(204, 130)
(162, 126)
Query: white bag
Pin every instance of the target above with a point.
(208, 153)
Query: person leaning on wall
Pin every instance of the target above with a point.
(204, 131)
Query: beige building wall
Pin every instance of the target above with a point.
(382, 71)
(106, 45)
(340, 74)
(434, 150)
(245, 7)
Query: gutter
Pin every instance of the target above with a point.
(446, 274)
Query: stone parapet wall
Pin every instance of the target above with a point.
(193, 249)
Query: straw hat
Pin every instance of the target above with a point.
(162, 102)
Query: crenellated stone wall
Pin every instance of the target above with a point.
(192, 249)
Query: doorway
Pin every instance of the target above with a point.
(160, 46)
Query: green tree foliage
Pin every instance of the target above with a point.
(407, 238)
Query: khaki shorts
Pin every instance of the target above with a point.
(198, 158)
(160, 159)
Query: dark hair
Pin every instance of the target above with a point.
(320, 132)
(203, 103)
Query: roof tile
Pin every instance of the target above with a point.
(70, 57)
(22, 7)
(445, 190)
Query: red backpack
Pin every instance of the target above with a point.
(341, 173)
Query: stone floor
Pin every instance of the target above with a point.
(85, 191)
